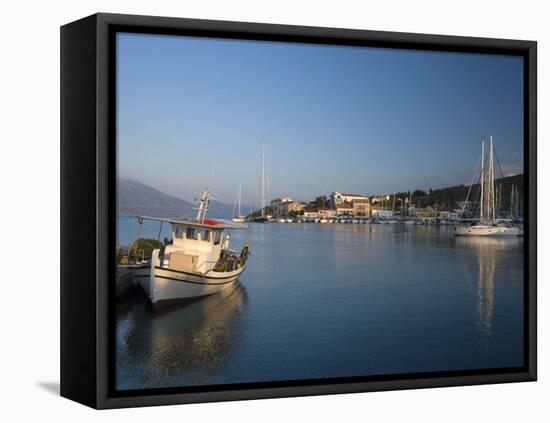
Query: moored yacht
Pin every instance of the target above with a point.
(488, 230)
(488, 224)
(239, 217)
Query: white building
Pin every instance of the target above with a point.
(382, 214)
(311, 215)
(344, 209)
(339, 198)
(284, 205)
(448, 215)
(326, 213)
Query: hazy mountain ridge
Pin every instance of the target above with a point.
(135, 198)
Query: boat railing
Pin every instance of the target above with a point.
(232, 260)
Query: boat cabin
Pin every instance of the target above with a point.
(200, 247)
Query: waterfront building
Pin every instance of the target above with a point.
(426, 215)
(382, 214)
(380, 199)
(284, 205)
(344, 209)
(448, 215)
(326, 213)
(311, 215)
(340, 198)
(361, 207)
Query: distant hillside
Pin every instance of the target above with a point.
(135, 198)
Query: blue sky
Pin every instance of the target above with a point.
(195, 112)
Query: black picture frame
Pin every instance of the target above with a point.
(88, 207)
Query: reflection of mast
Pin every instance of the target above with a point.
(485, 292)
(487, 249)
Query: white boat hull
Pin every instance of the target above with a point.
(166, 284)
(483, 230)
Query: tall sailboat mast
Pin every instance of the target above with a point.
(482, 179)
(262, 202)
(239, 201)
(490, 201)
(492, 180)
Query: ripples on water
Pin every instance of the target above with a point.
(334, 300)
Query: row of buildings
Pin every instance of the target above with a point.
(344, 205)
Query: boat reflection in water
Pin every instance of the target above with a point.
(184, 345)
(489, 263)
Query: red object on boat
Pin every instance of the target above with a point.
(211, 222)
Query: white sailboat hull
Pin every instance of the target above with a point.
(487, 230)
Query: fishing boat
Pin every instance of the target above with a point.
(197, 262)
(488, 224)
(134, 261)
(239, 217)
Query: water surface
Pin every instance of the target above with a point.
(333, 300)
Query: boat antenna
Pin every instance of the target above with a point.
(203, 206)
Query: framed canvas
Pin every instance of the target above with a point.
(257, 211)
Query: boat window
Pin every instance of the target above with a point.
(205, 235)
(191, 233)
(217, 237)
(178, 232)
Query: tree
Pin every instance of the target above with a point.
(295, 213)
(321, 201)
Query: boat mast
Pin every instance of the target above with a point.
(512, 202)
(492, 180)
(482, 178)
(239, 200)
(203, 206)
(262, 202)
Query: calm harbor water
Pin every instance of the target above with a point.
(333, 300)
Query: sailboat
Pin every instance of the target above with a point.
(262, 217)
(239, 217)
(487, 225)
